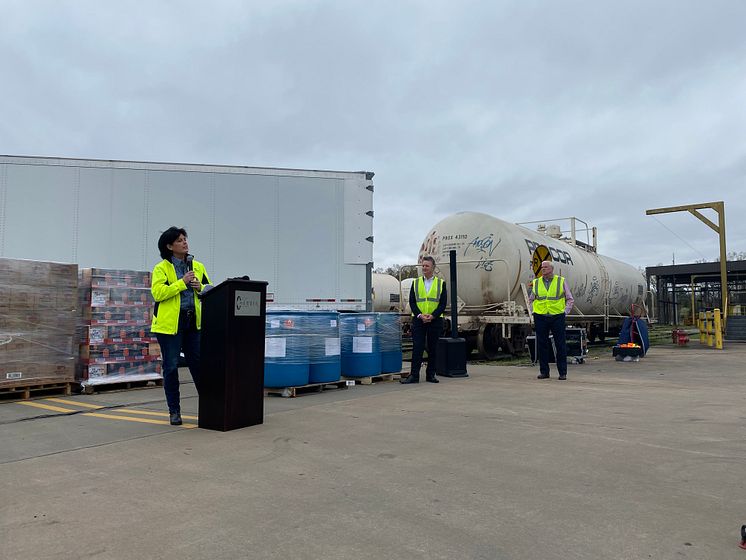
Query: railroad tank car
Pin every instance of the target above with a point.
(385, 292)
(406, 286)
(494, 267)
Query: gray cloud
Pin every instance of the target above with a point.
(524, 110)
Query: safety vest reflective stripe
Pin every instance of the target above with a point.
(549, 300)
(428, 301)
(419, 297)
(559, 289)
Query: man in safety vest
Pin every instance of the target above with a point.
(551, 301)
(427, 299)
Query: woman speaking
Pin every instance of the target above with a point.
(177, 314)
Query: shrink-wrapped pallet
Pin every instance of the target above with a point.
(114, 332)
(38, 316)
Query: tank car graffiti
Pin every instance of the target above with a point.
(483, 244)
(428, 246)
(621, 295)
(616, 290)
(485, 264)
(578, 290)
(595, 288)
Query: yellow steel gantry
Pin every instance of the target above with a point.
(693, 209)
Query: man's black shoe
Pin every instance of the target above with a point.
(562, 377)
(542, 376)
(432, 380)
(409, 379)
(175, 418)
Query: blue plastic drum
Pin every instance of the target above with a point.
(286, 360)
(389, 333)
(324, 346)
(361, 354)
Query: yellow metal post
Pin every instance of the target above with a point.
(702, 326)
(718, 330)
(694, 313)
(710, 341)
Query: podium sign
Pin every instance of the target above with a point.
(247, 304)
(232, 355)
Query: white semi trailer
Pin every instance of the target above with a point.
(308, 233)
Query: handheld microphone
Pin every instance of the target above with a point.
(190, 268)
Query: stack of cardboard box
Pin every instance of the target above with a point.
(115, 340)
(38, 316)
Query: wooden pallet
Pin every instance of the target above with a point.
(30, 388)
(117, 386)
(373, 378)
(291, 392)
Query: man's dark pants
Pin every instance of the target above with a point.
(185, 340)
(556, 325)
(421, 333)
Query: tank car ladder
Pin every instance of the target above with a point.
(528, 305)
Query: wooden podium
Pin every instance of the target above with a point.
(231, 392)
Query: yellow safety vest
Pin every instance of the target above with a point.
(166, 289)
(427, 301)
(549, 301)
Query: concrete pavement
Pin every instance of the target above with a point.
(623, 460)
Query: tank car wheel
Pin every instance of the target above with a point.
(488, 342)
(596, 333)
(471, 343)
(516, 345)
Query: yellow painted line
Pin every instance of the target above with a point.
(75, 403)
(152, 413)
(127, 410)
(111, 416)
(131, 419)
(47, 407)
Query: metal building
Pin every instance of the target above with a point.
(681, 291)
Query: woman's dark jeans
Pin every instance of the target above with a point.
(187, 341)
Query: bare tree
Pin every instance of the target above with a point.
(407, 271)
(731, 256)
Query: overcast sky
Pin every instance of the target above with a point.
(524, 110)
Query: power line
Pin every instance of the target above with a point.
(681, 238)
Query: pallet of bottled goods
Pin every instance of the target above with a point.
(116, 345)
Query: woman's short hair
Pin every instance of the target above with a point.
(167, 238)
